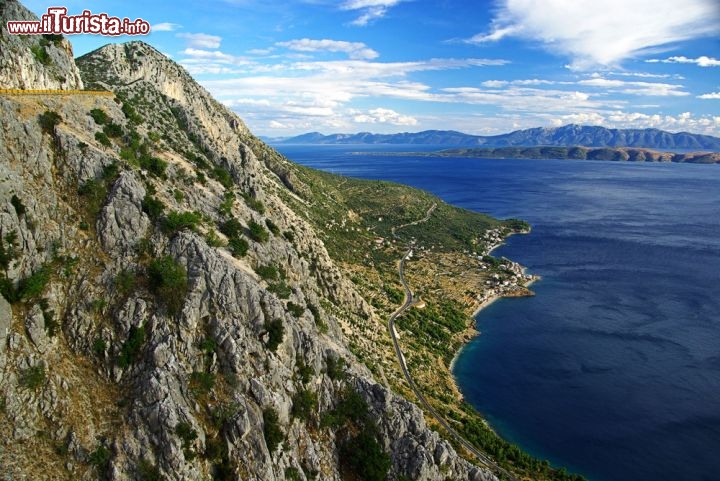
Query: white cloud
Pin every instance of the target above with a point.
(637, 88)
(355, 50)
(643, 75)
(702, 61)
(532, 81)
(636, 120)
(199, 61)
(200, 40)
(494, 84)
(384, 116)
(710, 96)
(371, 9)
(165, 27)
(603, 33)
(260, 51)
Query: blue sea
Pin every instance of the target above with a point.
(613, 368)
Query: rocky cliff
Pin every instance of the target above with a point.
(34, 61)
(165, 313)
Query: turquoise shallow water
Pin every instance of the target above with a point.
(613, 368)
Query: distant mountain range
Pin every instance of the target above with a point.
(566, 136)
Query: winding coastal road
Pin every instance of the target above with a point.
(484, 458)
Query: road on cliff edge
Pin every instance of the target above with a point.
(409, 301)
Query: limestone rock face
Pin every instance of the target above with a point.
(139, 345)
(33, 61)
(122, 222)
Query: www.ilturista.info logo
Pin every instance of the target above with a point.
(57, 21)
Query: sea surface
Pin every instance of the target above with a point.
(613, 368)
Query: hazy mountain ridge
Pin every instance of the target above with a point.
(566, 136)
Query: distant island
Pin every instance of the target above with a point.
(566, 136)
(577, 153)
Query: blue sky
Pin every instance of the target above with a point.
(482, 67)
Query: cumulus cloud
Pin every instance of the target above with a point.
(702, 61)
(370, 9)
(384, 116)
(200, 61)
(164, 27)
(355, 50)
(710, 96)
(620, 119)
(200, 40)
(603, 33)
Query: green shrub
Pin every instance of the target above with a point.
(238, 246)
(51, 324)
(187, 435)
(41, 54)
(131, 114)
(268, 272)
(202, 383)
(153, 207)
(272, 226)
(365, 457)
(100, 457)
(271, 429)
(155, 165)
(94, 193)
(213, 239)
(292, 474)
(8, 253)
(112, 130)
(335, 367)
(109, 173)
(8, 290)
(177, 221)
(103, 139)
(132, 346)
(305, 372)
(125, 282)
(56, 39)
(208, 345)
(295, 309)
(32, 377)
(147, 471)
(276, 332)
(305, 404)
(99, 116)
(258, 232)
(48, 121)
(168, 280)
(254, 204)
(35, 284)
(223, 176)
(99, 346)
(231, 228)
(360, 451)
(227, 204)
(280, 289)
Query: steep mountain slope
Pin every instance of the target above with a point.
(165, 312)
(566, 136)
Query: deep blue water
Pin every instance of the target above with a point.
(613, 368)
